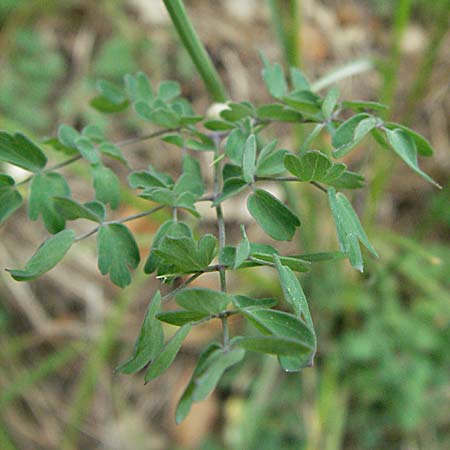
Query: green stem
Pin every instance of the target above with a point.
(401, 20)
(75, 158)
(222, 235)
(196, 49)
(122, 220)
(285, 17)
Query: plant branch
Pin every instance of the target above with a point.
(121, 220)
(123, 143)
(169, 295)
(292, 179)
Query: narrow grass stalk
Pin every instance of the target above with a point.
(401, 20)
(196, 49)
(98, 358)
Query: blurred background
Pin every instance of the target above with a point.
(381, 377)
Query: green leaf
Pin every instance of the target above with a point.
(322, 256)
(294, 295)
(110, 92)
(329, 102)
(94, 133)
(244, 302)
(249, 159)
(180, 317)
(294, 263)
(98, 208)
(424, 148)
(299, 80)
(191, 180)
(72, 210)
(281, 324)
(167, 90)
(43, 188)
(349, 229)
(293, 292)
(334, 173)
(276, 219)
(112, 151)
(160, 116)
(365, 127)
(138, 87)
(10, 198)
(103, 105)
(227, 256)
(186, 400)
(185, 254)
(237, 111)
(218, 125)
(347, 180)
(271, 345)
(303, 101)
(149, 342)
(167, 355)
(117, 253)
(149, 179)
(311, 166)
(231, 187)
(87, 149)
(242, 250)
(403, 144)
(274, 78)
(68, 136)
(18, 150)
(214, 367)
(46, 256)
(360, 106)
(106, 185)
(234, 146)
(203, 300)
(343, 138)
(270, 162)
(276, 111)
(168, 228)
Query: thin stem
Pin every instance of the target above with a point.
(222, 235)
(292, 179)
(222, 315)
(169, 295)
(196, 49)
(121, 220)
(117, 144)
